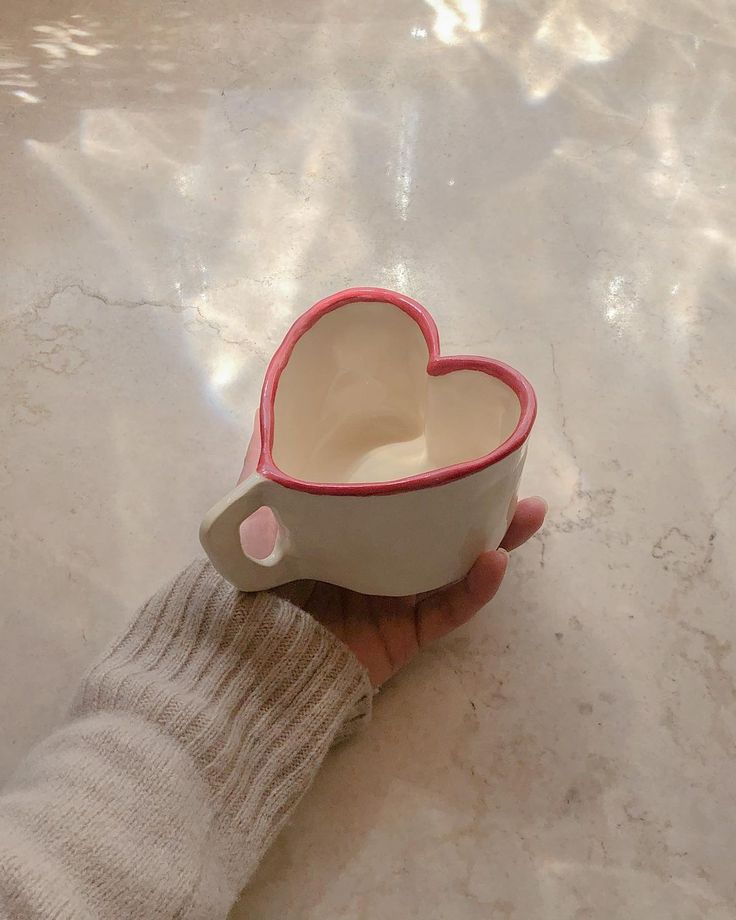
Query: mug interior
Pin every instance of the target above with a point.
(355, 403)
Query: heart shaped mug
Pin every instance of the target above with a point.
(388, 467)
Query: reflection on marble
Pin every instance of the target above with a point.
(554, 180)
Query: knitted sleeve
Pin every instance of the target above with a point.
(190, 744)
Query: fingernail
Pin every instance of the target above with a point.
(502, 553)
(543, 501)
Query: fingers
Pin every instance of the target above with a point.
(451, 607)
(528, 518)
(258, 533)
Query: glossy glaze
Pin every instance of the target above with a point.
(556, 180)
(372, 443)
(381, 366)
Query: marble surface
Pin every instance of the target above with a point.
(554, 180)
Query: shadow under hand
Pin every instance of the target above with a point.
(480, 749)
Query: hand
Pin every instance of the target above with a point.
(384, 633)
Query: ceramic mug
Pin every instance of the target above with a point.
(388, 467)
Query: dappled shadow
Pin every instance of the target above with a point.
(548, 178)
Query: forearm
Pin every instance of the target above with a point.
(192, 742)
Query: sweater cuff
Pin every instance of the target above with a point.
(250, 685)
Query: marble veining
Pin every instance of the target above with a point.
(554, 181)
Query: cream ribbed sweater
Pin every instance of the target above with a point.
(190, 744)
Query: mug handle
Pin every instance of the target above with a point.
(219, 534)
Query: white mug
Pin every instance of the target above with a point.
(388, 467)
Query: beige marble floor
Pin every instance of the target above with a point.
(554, 179)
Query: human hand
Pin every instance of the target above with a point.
(384, 633)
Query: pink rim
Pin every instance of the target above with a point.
(436, 366)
